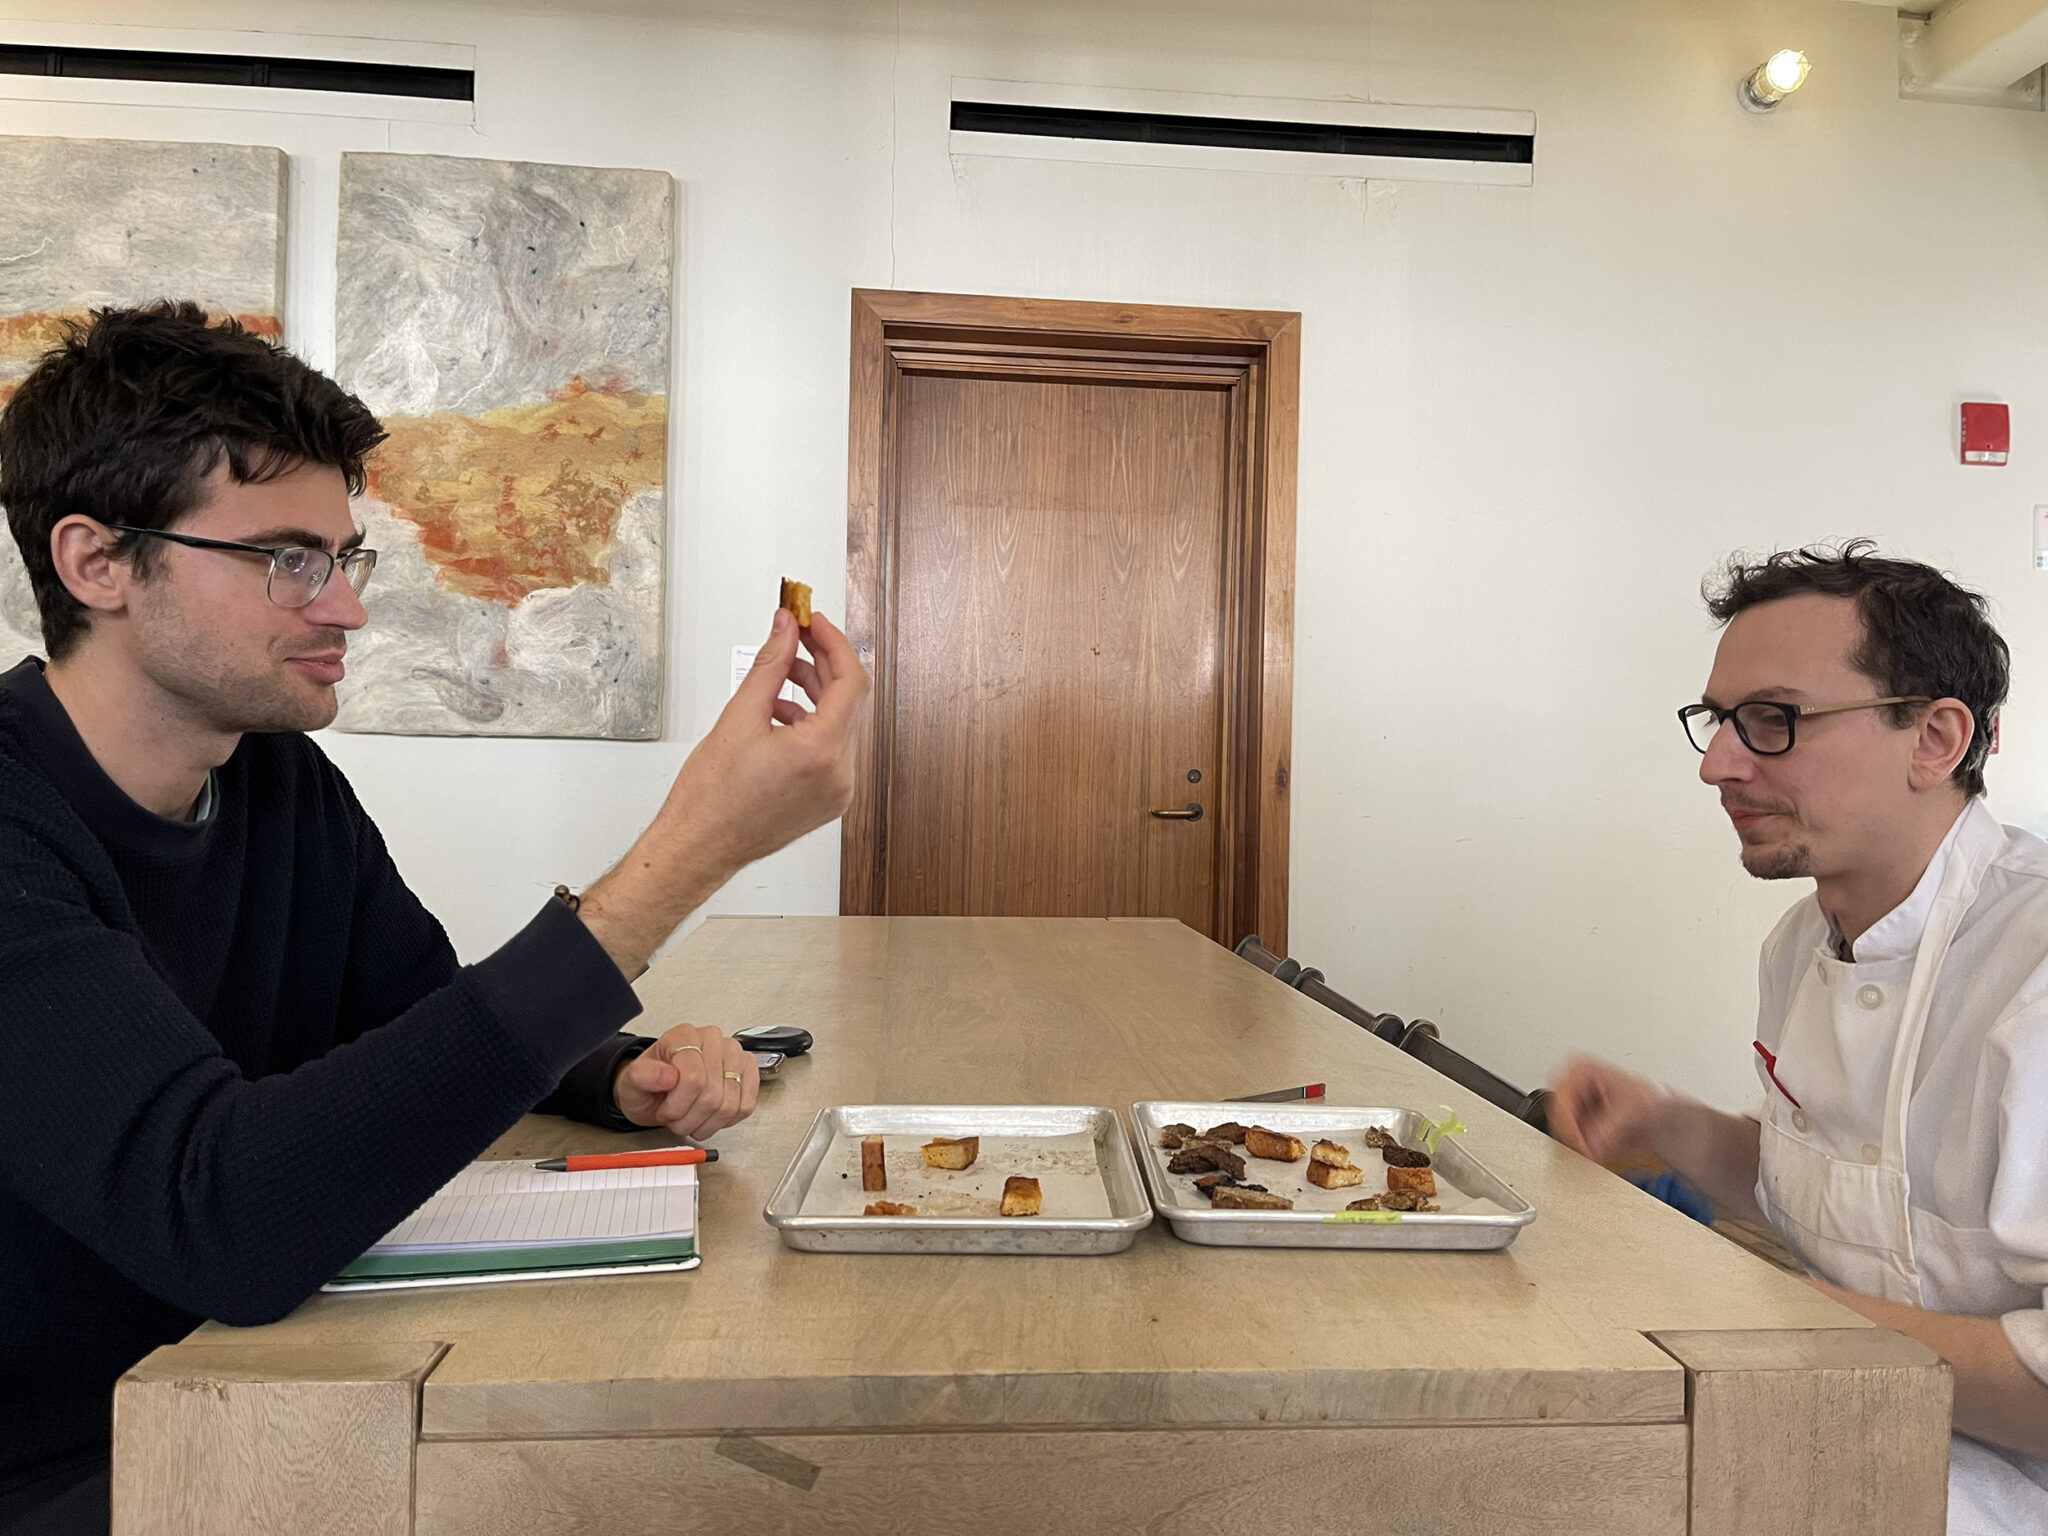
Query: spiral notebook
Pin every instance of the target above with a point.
(512, 1221)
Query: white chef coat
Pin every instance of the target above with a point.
(1977, 1213)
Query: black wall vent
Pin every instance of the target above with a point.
(1243, 133)
(235, 69)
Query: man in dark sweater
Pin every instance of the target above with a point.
(235, 1049)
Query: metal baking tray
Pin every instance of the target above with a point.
(1494, 1218)
(1085, 1162)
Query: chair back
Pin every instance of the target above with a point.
(1273, 965)
(1424, 1041)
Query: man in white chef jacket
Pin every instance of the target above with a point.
(1902, 1038)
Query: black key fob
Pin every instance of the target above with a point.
(785, 1038)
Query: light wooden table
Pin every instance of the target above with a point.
(1619, 1369)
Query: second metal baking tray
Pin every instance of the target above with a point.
(1493, 1217)
(1094, 1201)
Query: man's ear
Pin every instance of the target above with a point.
(1939, 742)
(80, 548)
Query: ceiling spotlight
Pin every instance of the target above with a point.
(1774, 79)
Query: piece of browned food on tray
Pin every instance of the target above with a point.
(1229, 1131)
(1376, 1138)
(1334, 1175)
(1020, 1196)
(950, 1152)
(1273, 1145)
(1206, 1157)
(1173, 1137)
(889, 1208)
(1240, 1197)
(874, 1174)
(1421, 1180)
(1393, 1200)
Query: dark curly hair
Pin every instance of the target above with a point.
(124, 419)
(1922, 633)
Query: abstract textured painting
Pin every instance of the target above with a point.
(91, 222)
(509, 324)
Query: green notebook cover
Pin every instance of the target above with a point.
(511, 1261)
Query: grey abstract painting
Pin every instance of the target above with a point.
(509, 323)
(86, 223)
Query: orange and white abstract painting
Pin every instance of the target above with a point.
(87, 223)
(509, 324)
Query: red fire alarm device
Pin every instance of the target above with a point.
(1987, 432)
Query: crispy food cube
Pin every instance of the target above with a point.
(955, 1152)
(889, 1208)
(1331, 1176)
(1405, 1200)
(1174, 1137)
(873, 1174)
(1260, 1142)
(1421, 1180)
(1236, 1197)
(1329, 1152)
(796, 597)
(1229, 1131)
(1020, 1196)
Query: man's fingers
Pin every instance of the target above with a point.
(770, 670)
(788, 712)
(818, 656)
(687, 1057)
(849, 684)
(650, 1074)
(807, 677)
(750, 1088)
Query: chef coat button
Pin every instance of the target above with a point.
(1800, 1122)
(1872, 1152)
(1870, 997)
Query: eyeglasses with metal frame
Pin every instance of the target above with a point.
(1766, 726)
(297, 572)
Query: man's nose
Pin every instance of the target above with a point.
(337, 606)
(1726, 758)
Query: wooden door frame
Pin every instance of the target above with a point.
(1256, 355)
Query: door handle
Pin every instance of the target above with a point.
(1192, 813)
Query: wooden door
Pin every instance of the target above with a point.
(1059, 616)
(1061, 570)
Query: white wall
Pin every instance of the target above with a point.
(1531, 419)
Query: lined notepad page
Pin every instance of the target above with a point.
(515, 1205)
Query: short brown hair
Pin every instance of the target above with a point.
(1923, 634)
(125, 418)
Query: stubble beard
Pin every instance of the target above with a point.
(223, 693)
(1794, 861)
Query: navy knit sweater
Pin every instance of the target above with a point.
(233, 1054)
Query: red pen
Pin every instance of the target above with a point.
(659, 1157)
(1771, 1067)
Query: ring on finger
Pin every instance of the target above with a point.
(734, 1077)
(676, 1051)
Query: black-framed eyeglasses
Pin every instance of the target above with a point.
(297, 571)
(1765, 725)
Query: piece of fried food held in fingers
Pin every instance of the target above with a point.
(796, 597)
